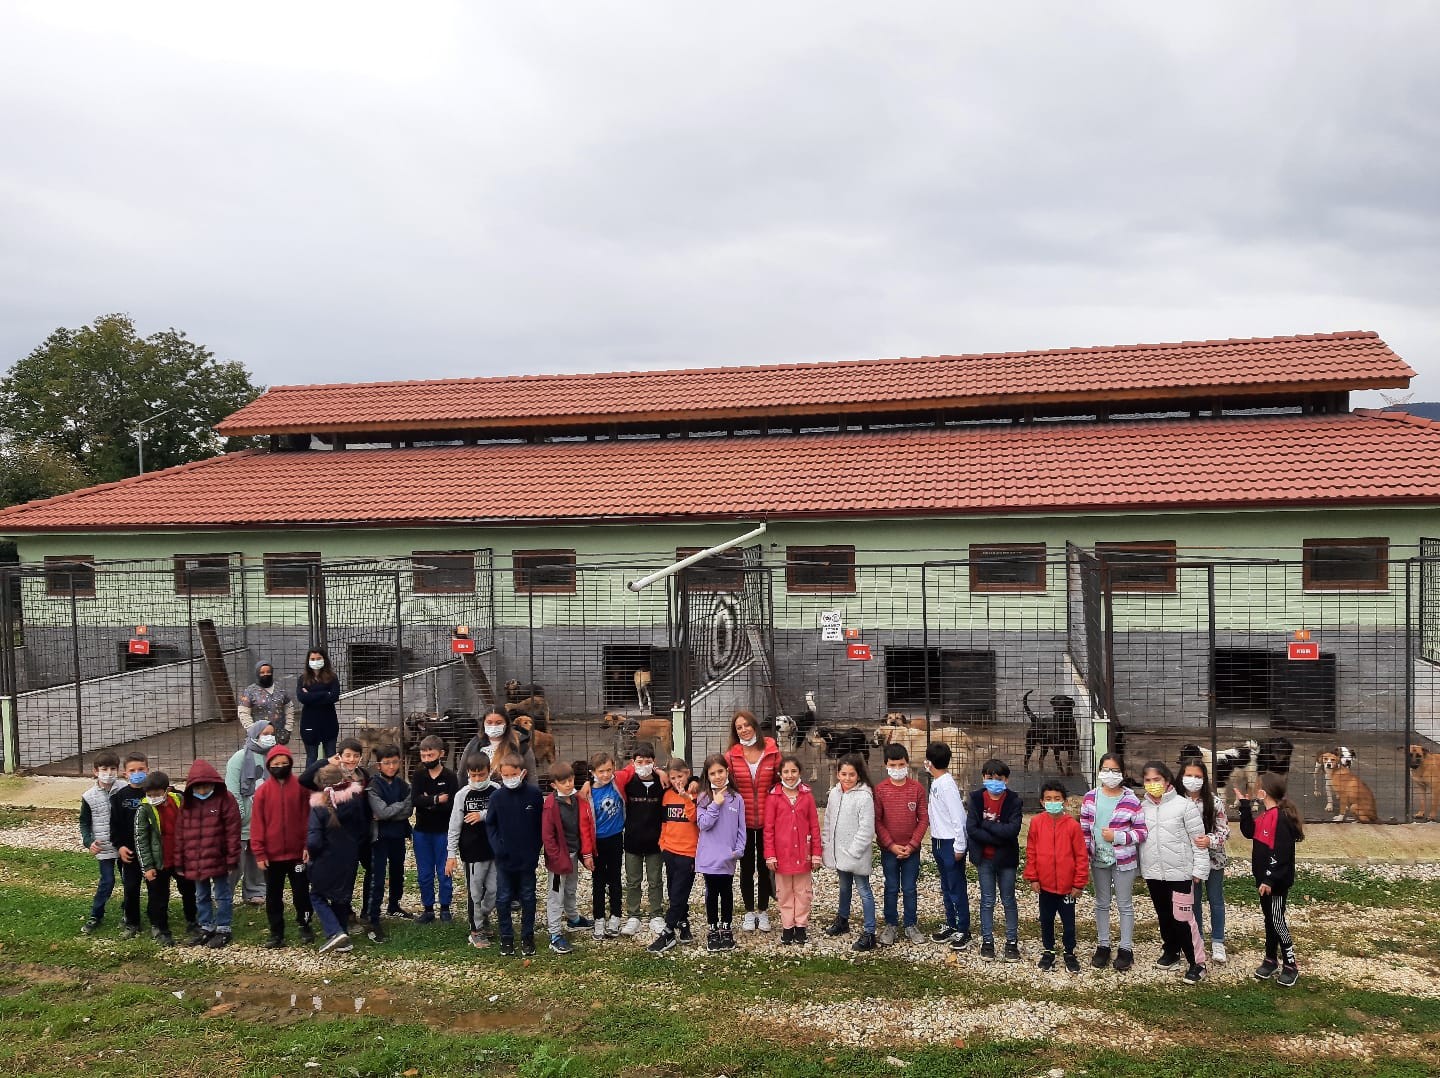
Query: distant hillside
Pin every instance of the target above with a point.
(1427, 409)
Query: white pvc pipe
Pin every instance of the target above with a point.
(645, 581)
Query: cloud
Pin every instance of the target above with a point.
(332, 192)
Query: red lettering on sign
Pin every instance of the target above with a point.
(1304, 651)
(857, 651)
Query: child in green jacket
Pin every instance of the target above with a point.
(157, 824)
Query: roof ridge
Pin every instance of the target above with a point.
(1398, 416)
(128, 481)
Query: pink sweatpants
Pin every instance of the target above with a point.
(794, 894)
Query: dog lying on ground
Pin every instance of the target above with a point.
(1425, 773)
(1351, 796)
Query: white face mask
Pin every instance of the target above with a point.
(266, 741)
(513, 783)
(723, 783)
(749, 742)
(105, 776)
(644, 771)
(792, 785)
(155, 799)
(1193, 783)
(897, 773)
(492, 731)
(479, 784)
(1110, 779)
(317, 664)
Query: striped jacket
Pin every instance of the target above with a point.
(1128, 823)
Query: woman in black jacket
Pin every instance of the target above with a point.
(1275, 832)
(318, 691)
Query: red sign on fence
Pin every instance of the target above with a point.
(139, 647)
(462, 645)
(1304, 651)
(857, 651)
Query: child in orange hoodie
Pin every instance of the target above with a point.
(1058, 870)
(679, 835)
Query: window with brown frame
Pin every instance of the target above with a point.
(202, 574)
(289, 574)
(719, 572)
(442, 572)
(541, 571)
(828, 569)
(1346, 564)
(1007, 567)
(70, 571)
(1140, 566)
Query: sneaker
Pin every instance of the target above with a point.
(193, 938)
(748, 923)
(657, 925)
(960, 942)
(560, 945)
(1101, 958)
(838, 927)
(167, 940)
(426, 918)
(1167, 961)
(612, 926)
(1217, 951)
(1012, 952)
(941, 934)
(632, 926)
(527, 946)
(1194, 974)
(787, 937)
(89, 927)
(763, 922)
(913, 934)
(274, 942)
(218, 940)
(399, 914)
(507, 947)
(375, 934)
(727, 937)
(445, 915)
(307, 934)
(1123, 960)
(579, 922)
(338, 942)
(685, 936)
(600, 929)
(665, 941)
(1288, 976)
(479, 940)
(887, 936)
(987, 950)
(802, 936)
(1266, 969)
(129, 932)
(864, 942)
(712, 941)
(1047, 961)
(1071, 962)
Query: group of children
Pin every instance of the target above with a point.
(657, 829)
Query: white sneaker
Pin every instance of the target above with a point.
(1217, 952)
(764, 923)
(748, 924)
(631, 927)
(657, 925)
(600, 929)
(612, 926)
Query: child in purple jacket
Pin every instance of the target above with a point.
(1114, 827)
(721, 816)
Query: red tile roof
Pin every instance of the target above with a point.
(1187, 370)
(1347, 459)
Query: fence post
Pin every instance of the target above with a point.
(1409, 689)
(190, 654)
(1210, 659)
(925, 637)
(400, 661)
(75, 667)
(683, 709)
(9, 676)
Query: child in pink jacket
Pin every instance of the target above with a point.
(792, 849)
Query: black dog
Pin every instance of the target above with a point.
(1054, 733)
(1275, 753)
(843, 740)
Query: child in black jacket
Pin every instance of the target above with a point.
(433, 787)
(992, 835)
(390, 807)
(1275, 832)
(513, 825)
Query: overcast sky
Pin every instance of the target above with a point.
(336, 192)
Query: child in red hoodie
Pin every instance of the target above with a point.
(567, 829)
(1058, 870)
(279, 824)
(792, 849)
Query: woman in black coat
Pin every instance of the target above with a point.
(318, 691)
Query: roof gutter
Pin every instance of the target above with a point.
(644, 582)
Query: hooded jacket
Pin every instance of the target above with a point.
(552, 832)
(318, 721)
(513, 826)
(722, 834)
(1169, 851)
(792, 831)
(272, 704)
(245, 772)
(850, 829)
(1055, 856)
(280, 814)
(1127, 821)
(339, 823)
(157, 838)
(754, 791)
(209, 829)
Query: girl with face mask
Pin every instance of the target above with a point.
(793, 849)
(1172, 864)
(1113, 824)
(1195, 779)
(720, 815)
(318, 691)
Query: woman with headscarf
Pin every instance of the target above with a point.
(243, 773)
(264, 699)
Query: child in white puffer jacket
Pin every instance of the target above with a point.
(1172, 864)
(848, 837)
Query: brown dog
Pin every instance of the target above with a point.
(631, 730)
(1425, 773)
(542, 743)
(1352, 796)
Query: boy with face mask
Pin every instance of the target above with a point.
(95, 833)
(901, 817)
(157, 847)
(433, 787)
(513, 826)
(126, 798)
(469, 846)
(279, 819)
(992, 833)
(1058, 870)
(210, 849)
(568, 828)
(642, 788)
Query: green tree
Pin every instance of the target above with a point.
(32, 471)
(83, 391)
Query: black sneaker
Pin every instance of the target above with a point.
(663, 942)
(787, 937)
(1123, 960)
(1167, 961)
(1194, 974)
(274, 942)
(1071, 962)
(864, 942)
(399, 914)
(445, 915)
(507, 947)
(802, 937)
(338, 942)
(307, 934)
(1012, 952)
(560, 945)
(960, 942)
(194, 938)
(218, 940)
(1101, 958)
(1288, 976)
(685, 935)
(427, 917)
(90, 927)
(527, 946)
(941, 934)
(987, 950)
(1266, 969)
(580, 922)
(727, 937)
(712, 941)
(375, 934)
(129, 932)
(165, 939)
(838, 927)
(1047, 961)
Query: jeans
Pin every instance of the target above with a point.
(752, 863)
(1050, 905)
(385, 852)
(900, 877)
(679, 880)
(276, 873)
(213, 900)
(649, 865)
(1108, 878)
(1003, 880)
(867, 898)
(953, 888)
(1214, 896)
(103, 889)
(512, 884)
(330, 923)
(313, 751)
(430, 855)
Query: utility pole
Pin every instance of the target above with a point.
(139, 435)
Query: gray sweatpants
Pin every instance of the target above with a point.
(248, 877)
(560, 901)
(480, 885)
(1107, 877)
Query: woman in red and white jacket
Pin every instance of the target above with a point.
(754, 764)
(793, 849)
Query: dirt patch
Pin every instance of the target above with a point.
(254, 1002)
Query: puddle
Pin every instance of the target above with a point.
(278, 1003)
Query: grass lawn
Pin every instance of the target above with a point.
(425, 1003)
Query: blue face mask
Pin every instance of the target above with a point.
(1054, 807)
(137, 778)
(201, 797)
(994, 787)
